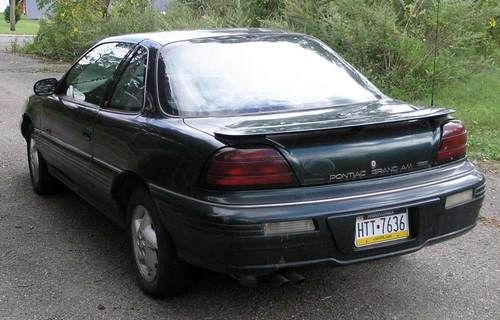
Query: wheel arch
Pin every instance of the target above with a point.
(26, 122)
(123, 186)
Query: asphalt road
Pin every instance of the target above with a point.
(60, 259)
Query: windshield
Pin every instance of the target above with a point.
(232, 75)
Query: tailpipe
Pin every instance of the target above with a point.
(294, 277)
(278, 280)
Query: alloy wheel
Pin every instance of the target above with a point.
(34, 161)
(145, 243)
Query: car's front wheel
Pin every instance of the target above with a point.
(159, 271)
(41, 180)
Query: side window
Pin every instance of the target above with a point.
(89, 79)
(129, 93)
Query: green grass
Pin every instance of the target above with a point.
(477, 102)
(23, 27)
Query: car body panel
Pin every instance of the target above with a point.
(342, 143)
(71, 124)
(114, 152)
(229, 234)
(383, 111)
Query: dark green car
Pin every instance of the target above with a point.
(247, 152)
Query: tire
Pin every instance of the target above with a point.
(171, 276)
(42, 181)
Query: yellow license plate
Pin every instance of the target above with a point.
(381, 227)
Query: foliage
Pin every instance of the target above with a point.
(476, 101)
(76, 25)
(6, 14)
(392, 42)
(237, 13)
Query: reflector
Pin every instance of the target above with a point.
(276, 228)
(458, 198)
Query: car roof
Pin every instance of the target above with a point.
(166, 37)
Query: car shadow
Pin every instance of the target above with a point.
(98, 248)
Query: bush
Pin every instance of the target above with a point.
(76, 25)
(6, 14)
(392, 42)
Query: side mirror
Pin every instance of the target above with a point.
(45, 87)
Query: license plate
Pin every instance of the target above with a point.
(381, 227)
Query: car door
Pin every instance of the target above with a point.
(117, 128)
(68, 120)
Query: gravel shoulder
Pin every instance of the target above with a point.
(60, 259)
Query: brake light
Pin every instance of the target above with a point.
(453, 142)
(249, 168)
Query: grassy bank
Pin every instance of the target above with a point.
(23, 27)
(477, 101)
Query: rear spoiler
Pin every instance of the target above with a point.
(254, 128)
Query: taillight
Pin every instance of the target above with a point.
(453, 142)
(249, 168)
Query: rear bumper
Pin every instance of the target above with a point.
(228, 236)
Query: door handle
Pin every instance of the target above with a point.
(87, 134)
(70, 105)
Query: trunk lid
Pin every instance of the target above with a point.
(340, 144)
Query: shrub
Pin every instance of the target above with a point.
(76, 25)
(391, 42)
(6, 14)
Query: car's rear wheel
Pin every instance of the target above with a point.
(159, 271)
(41, 180)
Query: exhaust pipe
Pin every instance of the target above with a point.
(278, 280)
(294, 277)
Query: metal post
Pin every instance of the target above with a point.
(436, 48)
(12, 15)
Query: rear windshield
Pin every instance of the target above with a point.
(227, 76)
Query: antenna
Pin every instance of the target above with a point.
(435, 53)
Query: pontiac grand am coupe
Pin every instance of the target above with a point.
(247, 152)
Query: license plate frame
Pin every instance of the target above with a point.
(381, 227)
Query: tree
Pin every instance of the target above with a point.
(104, 7)
(13, 19)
